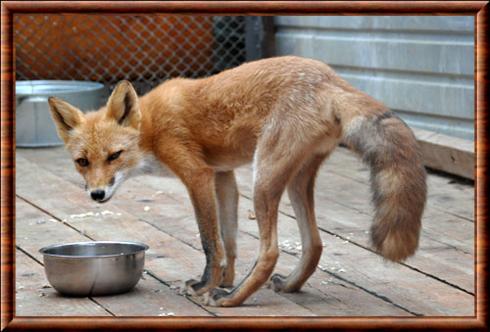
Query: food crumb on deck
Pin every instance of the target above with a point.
(107, 213)
(82, 215)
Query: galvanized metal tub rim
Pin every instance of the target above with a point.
(52, 87)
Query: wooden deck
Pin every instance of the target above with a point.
(52, 207)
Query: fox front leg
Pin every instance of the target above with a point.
(201, 187)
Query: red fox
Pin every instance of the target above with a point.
(283, 114)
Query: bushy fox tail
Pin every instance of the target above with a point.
(398, 180)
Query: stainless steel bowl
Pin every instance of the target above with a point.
(94, 268)
(34, 126)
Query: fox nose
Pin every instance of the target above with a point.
(97, 195)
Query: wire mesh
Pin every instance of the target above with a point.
(145, 49)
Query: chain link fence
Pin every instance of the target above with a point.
(144, 49)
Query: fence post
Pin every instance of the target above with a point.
(259, 37)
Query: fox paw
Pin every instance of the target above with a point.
(217, 297)
(195, 287)
(278, 282)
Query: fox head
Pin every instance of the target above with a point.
(104, 144)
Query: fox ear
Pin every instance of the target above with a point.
(65, 116)
(123, 105)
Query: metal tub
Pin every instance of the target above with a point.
(94, 268)
(34, 125)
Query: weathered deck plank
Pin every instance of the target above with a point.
(36, 229)
(160, 183)
(450, 154)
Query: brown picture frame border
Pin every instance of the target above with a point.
(479, 9)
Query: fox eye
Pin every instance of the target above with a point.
(114, 155)
(82, 162)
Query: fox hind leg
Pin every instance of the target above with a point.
(301, 195)
(227, 197)
(273, 167)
